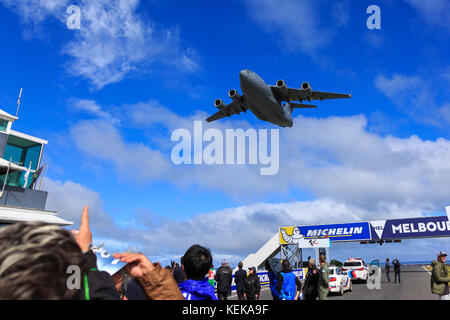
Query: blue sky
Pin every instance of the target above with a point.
(108, 96)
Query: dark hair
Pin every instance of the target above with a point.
(240, 265)
(34, 261)
(286, 266)
(197, 261)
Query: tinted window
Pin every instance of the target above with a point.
(352, 264)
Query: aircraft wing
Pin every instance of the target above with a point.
(300, 95)
(233, 108)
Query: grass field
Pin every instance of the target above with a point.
(429, 268)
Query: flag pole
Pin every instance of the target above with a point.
(27, 174)
(44, 174)
(18, 102)
(6, 178)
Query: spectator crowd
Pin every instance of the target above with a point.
(35, 259)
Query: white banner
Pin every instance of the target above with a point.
(314, 243)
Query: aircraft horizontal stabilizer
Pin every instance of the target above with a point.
(301, 105)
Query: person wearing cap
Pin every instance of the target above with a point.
(252, 285)
(223, 279)
(439, 277)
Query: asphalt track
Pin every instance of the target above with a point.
(415, 285)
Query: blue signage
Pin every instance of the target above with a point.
(424, 227)
(338, 232)
(264, 277)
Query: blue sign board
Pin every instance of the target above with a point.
(357, 231)
(264, 277)
(424, 227)
(410, 228)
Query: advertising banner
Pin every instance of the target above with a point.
(424, 227)
(335, 232)
(390, 229)
(314, 243)
(264, 277)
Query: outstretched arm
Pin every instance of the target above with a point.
(157, 282)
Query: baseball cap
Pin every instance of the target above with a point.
(442, 254)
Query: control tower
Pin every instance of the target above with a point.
(20, 169)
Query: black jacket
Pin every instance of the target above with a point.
(223, 278)
(252, 286)
(100, 285)
(311, 282)
(396, 265)
(239, 279)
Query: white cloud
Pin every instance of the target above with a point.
(35, 11)
(436, 12)
(297, 22)
(335, 158)
(90, 106)
(69, 199)
(132, 159)
(114, 41)
(230, 233)
(353, 175)
(414, 96)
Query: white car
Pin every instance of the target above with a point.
(339, 280)
(356, 269)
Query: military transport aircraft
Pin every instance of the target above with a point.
(266, 102)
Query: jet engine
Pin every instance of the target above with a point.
(281, 85)
(307, 89)
(234, 95)
(219, 104)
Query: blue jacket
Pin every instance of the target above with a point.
(289, 286)
(197, 290)
(273, 283)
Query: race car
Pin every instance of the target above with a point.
(356, 269)
(339, 280)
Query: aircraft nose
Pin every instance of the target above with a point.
(244, 75)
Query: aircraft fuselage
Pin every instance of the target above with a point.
(262, 102)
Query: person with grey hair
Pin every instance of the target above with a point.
(35, 260)
(224, 278)
(310, 288)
